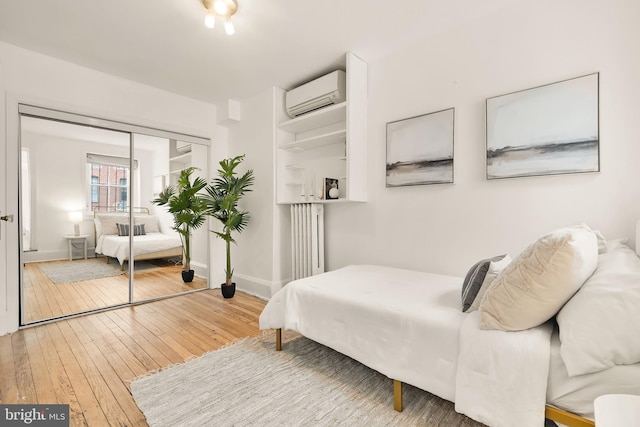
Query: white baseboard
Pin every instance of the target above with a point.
(261, 288)
(200, 269)
(53, 255)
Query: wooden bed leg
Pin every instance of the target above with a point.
(397, 395)
(278, 339)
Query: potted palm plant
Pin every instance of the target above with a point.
(224, 193)
(188, 208)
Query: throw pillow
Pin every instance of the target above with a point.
(138, 229)
(536, 284)
(474, 280)
(495, 268)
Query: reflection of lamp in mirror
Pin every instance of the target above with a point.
(76, 217)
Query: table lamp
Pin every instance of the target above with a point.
(76, 217)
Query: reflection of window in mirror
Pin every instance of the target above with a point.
(108, 180)
(95, 195)
(26, 200)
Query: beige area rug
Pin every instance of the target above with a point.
(306, 384)
(61, 272)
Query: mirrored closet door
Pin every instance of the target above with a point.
(158, 257)
(92, 236)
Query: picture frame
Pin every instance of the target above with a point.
(330, 189)
(420, 149)
(546, 130)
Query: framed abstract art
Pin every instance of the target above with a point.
(420, 150)
(547, 130)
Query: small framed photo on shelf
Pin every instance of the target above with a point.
(330, 189)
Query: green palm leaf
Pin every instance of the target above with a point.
(222, 197)
(188, 206)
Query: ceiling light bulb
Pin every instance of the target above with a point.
(209, 20)
(220, 7)
(228, 27)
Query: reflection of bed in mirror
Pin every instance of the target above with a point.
(112, 236)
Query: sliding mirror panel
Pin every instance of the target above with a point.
(93, 234)
(158, 249)
(69, 173)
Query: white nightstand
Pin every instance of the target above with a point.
(617, 410)
(71, 239)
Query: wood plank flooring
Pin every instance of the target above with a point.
(88, 362)
(44, 299)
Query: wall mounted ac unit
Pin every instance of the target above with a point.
(326, 90)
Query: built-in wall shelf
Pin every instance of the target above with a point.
(185, 157)
(179, 159)
(324, 201)
(330, 142)
(335, 137)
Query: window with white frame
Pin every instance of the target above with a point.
(108, 178)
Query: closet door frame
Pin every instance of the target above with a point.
(15, 260)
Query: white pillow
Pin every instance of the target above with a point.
(98, 225)
(150, 223)
(600, 325)
(602, 242)
(535, 285)
(106, 223)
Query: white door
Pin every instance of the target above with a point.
(3, 231)
(9, 246)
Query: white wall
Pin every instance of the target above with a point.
(59, 185)
(37, 79)
(446, 228)
(256, 257)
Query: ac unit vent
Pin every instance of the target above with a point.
(326, 90)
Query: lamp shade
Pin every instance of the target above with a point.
(76, 216)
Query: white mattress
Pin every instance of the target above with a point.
(406, 324)
(118, 246)
(402, 323)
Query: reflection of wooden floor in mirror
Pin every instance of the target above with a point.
(44, 300)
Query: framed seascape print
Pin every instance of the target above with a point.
(546, 130)
(420, 150)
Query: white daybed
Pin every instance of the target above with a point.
(152, 245)
(410, 327)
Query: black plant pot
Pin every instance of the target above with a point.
(187, 276)
(228, 291)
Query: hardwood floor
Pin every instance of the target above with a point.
(88, 362)
(43, 299)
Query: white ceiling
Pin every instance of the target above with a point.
(164, 43)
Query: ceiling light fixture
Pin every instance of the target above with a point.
(223, 9)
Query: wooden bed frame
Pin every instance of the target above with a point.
(135, 210)
(551, 412)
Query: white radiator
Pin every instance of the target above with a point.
(307, 239)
